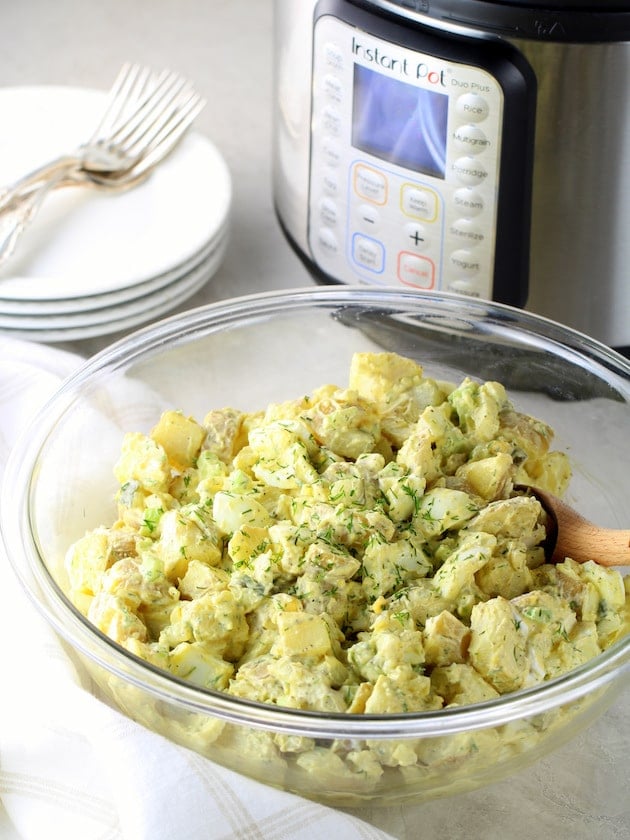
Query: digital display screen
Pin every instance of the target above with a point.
(399, 122)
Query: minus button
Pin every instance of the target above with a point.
(368, 217)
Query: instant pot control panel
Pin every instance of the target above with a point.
(419, 175)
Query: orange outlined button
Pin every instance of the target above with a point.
(370, 184)
(416, 271)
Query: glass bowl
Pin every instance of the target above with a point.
(273, 347)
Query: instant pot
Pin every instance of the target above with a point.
(471, 146)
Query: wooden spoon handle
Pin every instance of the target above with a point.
(588, 542)
(571, 535)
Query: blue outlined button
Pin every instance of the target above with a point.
(368, 253)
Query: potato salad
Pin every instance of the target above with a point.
(359, 549)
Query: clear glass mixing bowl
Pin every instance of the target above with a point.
(272, 347)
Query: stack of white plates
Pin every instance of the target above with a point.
(95, 262)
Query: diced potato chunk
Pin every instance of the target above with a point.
(431, 443)
(488, 477)
(608, 582)
(459, 568)
(187, 537)
(441, 509)
(86, 560)
(551, 472)
(302, 634)
(478, 407)
(116, 619)
(514, 519)
(346, 424)
(401, 691)
(581, 645)
(247, 543)
(506, 573)
(461, 684)
(390, 565)
(281, 457)
(201, 578)
(180, 437)
(143, 460)
(215, 619)
(581, 594)
(445, 639)
(498, 650)
(191, 661)
(376, 375)
(398, 386)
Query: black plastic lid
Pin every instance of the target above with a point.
(579, 21)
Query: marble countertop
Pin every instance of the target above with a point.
(226, 48)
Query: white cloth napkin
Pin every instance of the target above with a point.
(73, 768)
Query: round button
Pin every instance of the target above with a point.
(465, 262)
(416, 237)
(470, 139)
(327, 241)
(330, 181)
(333, 55)
(332, 153)
(464, 287)
(467, 231)
(469, 171)
(331, 121)
(328, 212)
(468, 201)
(472, 107)
(368, 217)
(333, 88)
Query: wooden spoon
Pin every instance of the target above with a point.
(570, 535)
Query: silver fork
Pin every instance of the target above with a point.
(145, 117)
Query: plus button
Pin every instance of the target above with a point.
(417, 236)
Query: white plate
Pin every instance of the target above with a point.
(170, 296)
(65, 306)
(87, 242)
(196, 280)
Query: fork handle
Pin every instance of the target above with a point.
(33, 180)
(20, 205)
